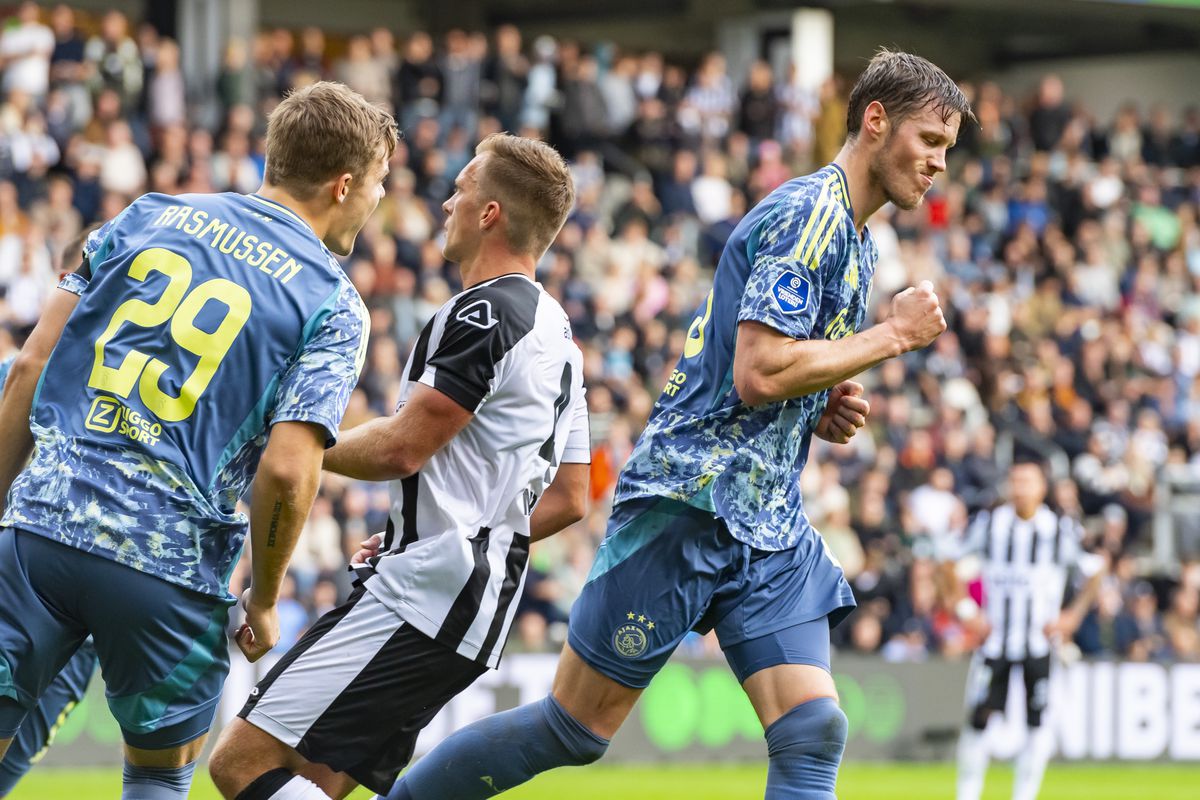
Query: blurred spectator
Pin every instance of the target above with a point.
(506, 77)
(759, 112)
(363, 72)
(25, 50)
(113, 61)
(1050, 114)
(166, 102)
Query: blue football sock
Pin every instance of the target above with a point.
(805, 747)
(157, 783)
(470, 765)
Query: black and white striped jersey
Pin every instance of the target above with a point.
(1025, 563)
(457, 542)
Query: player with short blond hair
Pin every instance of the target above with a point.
(204, 341)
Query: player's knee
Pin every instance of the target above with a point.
(224, 765)
(581, 745)
(157, 783)
(813, 732)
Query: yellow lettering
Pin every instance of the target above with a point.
(217, 227)
(262, 251)
(276, 255)
(226, 245)
(197, 223)
(184, 213)
(168, 214)
(675, 383)
(247, 246)
(291, 267)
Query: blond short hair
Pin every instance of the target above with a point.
(533, 185)
(322, 131)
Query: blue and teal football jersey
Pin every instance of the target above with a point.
(796, 264)
(207, 318)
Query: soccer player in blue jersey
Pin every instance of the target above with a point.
(708, 530)
(213, 338)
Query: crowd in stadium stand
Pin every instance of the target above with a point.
(1065, 249)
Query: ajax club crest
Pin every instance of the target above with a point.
(631, 639)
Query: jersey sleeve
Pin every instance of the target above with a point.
(316, 386)
(73, 282)
(479, 331)
(792, 250)
(99, 243)
(579, 441)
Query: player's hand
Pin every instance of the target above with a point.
(369, 548)
(845, 412)
(917, 316)
(260, 631)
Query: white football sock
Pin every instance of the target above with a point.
(1031, 764)
(972, 763)
(299, 788)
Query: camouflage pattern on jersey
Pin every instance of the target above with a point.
(795, 264)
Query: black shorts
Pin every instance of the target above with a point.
(356, 690)
(988, 688)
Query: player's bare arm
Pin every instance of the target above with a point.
(394, 447)
(564, 503)
(283, 494)
(769, 366)
(22, 383)
(1064, 627)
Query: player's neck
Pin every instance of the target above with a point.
(492, 262)
(865, 197)
(317, 219)
(1026, 514)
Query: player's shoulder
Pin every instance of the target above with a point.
(811, 208)
(506, 306)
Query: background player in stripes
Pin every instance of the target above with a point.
(1026, 552)
(709, 530)
(214, 336)
(487, 451)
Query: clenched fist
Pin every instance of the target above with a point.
(917, 316)
(845, 412)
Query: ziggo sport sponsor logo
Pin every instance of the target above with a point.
(685, 707)
(109, 415)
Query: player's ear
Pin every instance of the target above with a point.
(341, 187)
(490, 214)
(875, 119)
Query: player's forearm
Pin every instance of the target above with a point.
(555, 511)
(1087, 595)
(564, 502)
(370, 452)
(802, 367)
(15, 405)
(279, 505)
